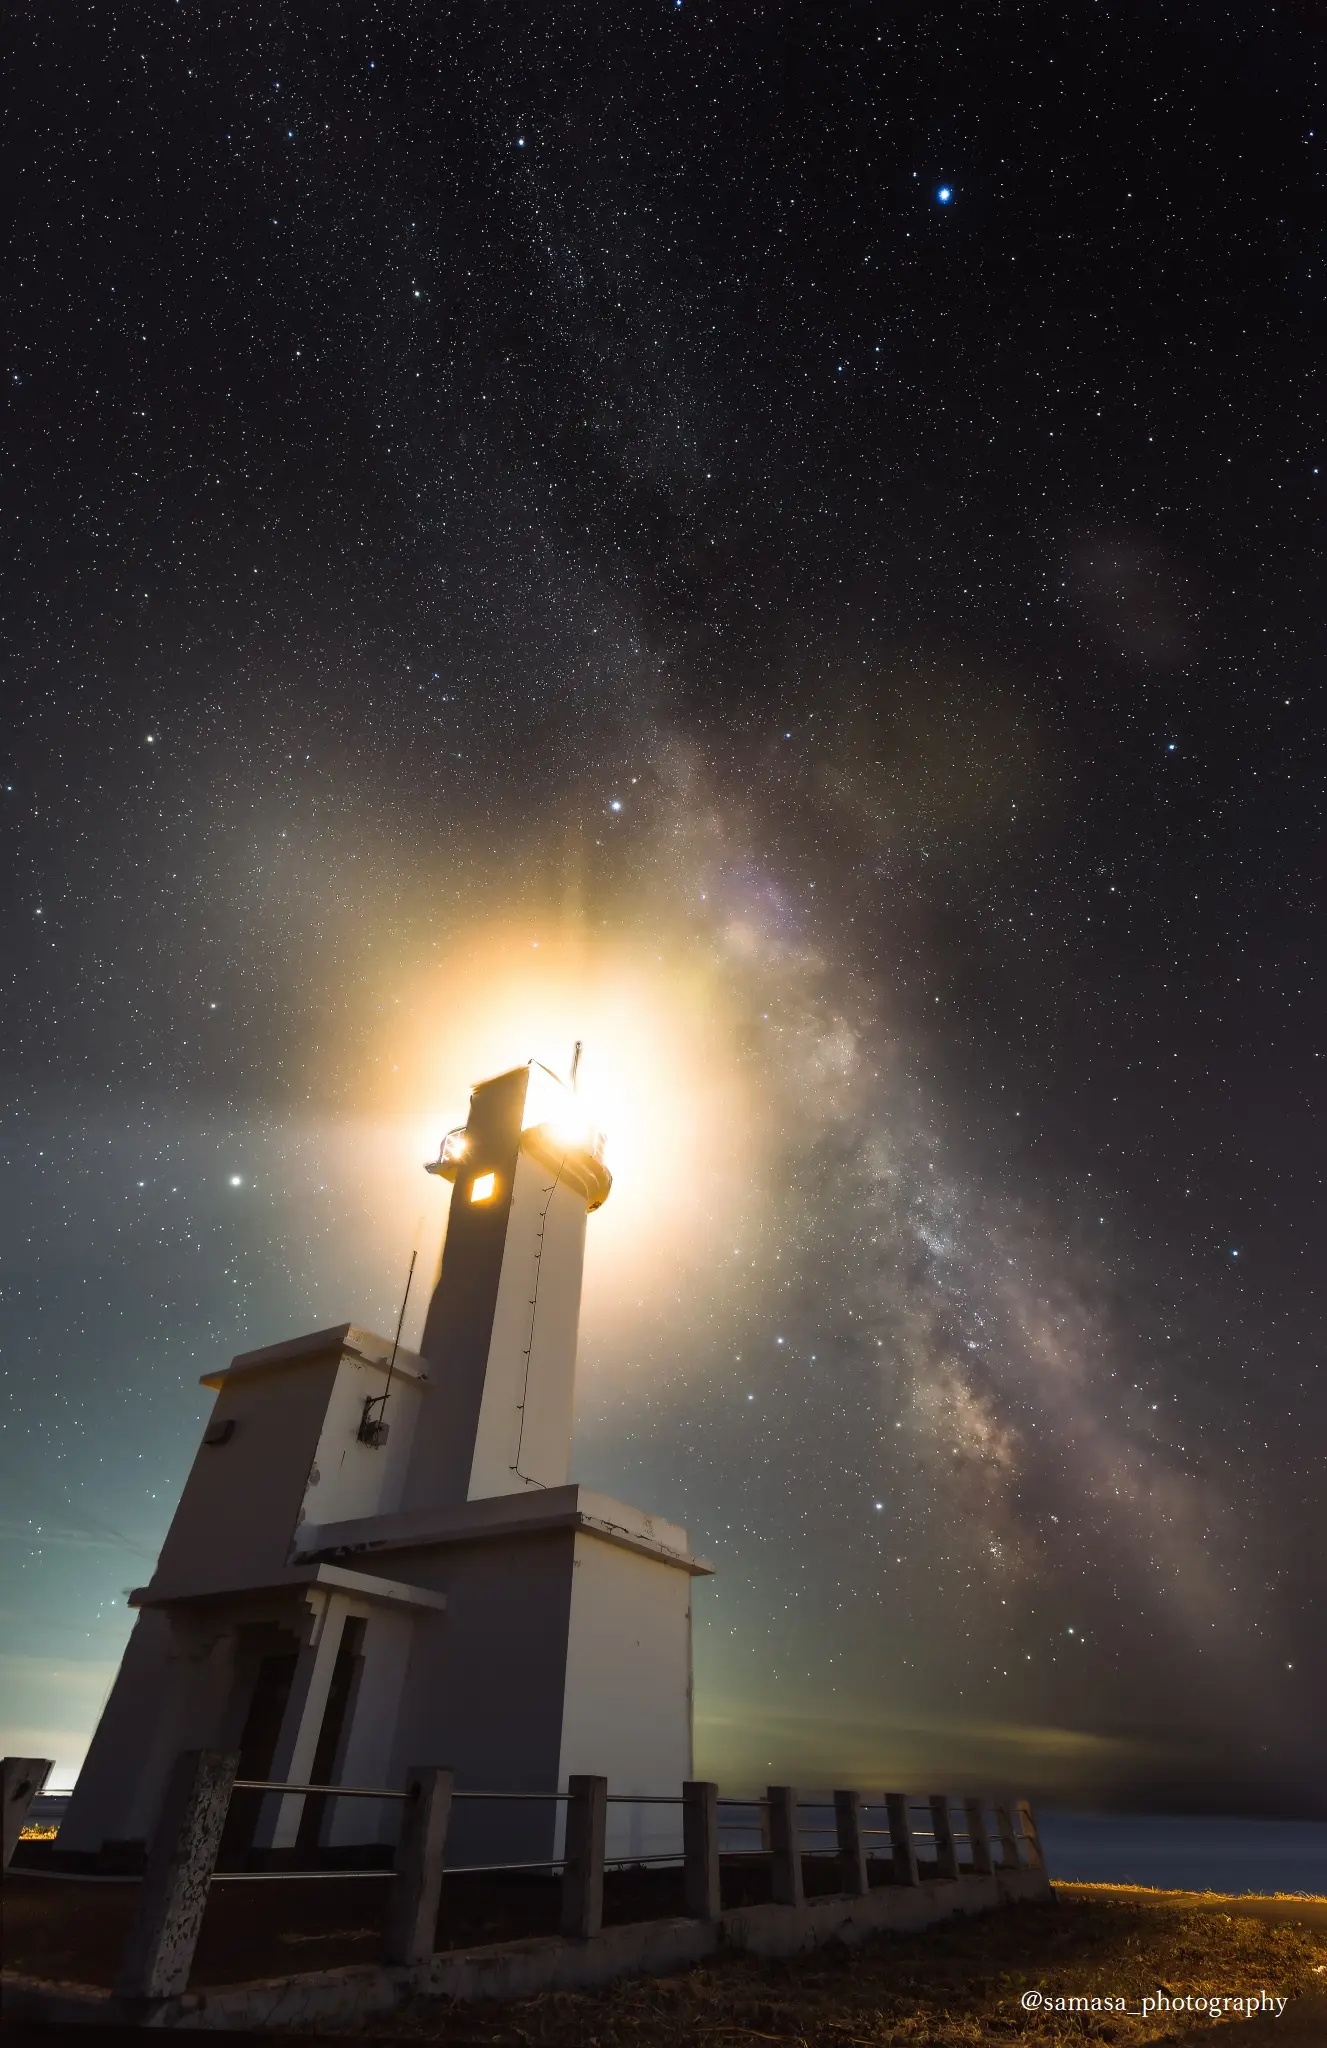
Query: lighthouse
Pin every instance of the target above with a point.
(380, 1558)
(527, 1169)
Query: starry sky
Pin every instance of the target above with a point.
(785, 541)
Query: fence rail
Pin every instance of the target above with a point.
(553, 1798)
(275, 1876)
(337, 1791)
(182, 1858)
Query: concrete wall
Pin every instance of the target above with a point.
(176, 1689)
(99, 1808)
(627, 1713)
(186, 1682)
(524, 1432)
(349, 1478)
(295, 1454)
(369, 1747)
(186, 1676)
(484, 1687)
(459, 1322)
(242, 1499)
(559, 1652)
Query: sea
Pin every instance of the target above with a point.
(1171, 1852)
(1186, 1852)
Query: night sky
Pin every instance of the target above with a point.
(785, 541)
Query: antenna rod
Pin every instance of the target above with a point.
(391, 1367)
(575, 1064)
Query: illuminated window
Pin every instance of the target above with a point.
(482, 1186)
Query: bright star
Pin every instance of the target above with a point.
(944, 195)
(237, 1180)
(616, 804)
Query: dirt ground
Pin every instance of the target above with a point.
(958, 1986)
(952, 1987)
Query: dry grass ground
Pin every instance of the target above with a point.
(954, 1987)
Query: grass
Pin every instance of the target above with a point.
(956, 1986)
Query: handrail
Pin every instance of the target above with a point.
(340, 1791)
(614, 1798)
(510, 1795)
(560, 1863)
(387, 1792)
(270, 1876)
(482, 1869)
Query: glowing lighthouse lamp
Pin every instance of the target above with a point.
(555, 1130)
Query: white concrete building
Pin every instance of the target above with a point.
(378, 1558)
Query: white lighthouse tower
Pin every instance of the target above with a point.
(379, 1558)
(527, 1169)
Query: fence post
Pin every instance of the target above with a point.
(785, 1848)
(979, 1837)
(411, 1920)
(583, 1870)
(852, 1844)
(700, 1849)
(942, 1828)
(24, 1777)
(1036, 1855)
(173, 1895)
(1009, 1856)
(900, 1835)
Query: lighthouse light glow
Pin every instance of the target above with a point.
(662, 1072)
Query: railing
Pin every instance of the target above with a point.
(181, 1863)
